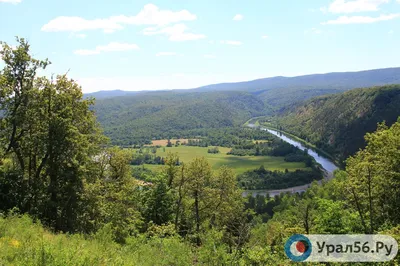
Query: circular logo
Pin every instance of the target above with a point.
(298, 248)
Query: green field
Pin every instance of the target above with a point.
(239, 163)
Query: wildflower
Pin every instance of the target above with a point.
(15, 243)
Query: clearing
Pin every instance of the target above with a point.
(239, 163)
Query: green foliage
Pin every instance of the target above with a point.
(49, 134)
(229, 137)
(213, 150)
(338, 123)
(265, 179)
(26, 243)
(373, 174)
(139, 118)
(158, 203)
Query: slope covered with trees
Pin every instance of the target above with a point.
(127, 120)
(338, 123)
(137, 117)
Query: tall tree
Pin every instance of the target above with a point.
(49, 132)
(199, 175)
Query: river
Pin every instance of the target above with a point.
(326, 164)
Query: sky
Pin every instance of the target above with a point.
(176, 44)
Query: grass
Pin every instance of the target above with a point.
(23, 242)
(239, 163)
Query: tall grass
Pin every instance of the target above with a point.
(23, 242)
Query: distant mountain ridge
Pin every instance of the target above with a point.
(110, 94)
(336, 80)
(330, 82)
(279, 92)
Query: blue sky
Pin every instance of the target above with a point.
(142, 45)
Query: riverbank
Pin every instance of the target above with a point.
(304, 142)
(327, 164)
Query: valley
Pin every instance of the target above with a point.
(223, 174)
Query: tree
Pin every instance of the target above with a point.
(112, 197)
(171, 162)
(373, 182)
(20, 140)
(159, 203)
(50, 134)
(199, 175)
(169, 143)
(258, 152)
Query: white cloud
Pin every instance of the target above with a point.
(75, 24)
(345, 6)
(313, 31)
(77, 35)
(391, 31)
(360, 19)
(111, 47)
(178, 75)
(238, 17)
(176, 33)
(264, 37)
(152, 15)
(81, 35)
(166, 54)
(210, 56)
(231, 42)
(149, 15)
(11, 1)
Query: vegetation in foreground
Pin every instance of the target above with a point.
(54, 167)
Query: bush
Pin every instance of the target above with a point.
(213, 150)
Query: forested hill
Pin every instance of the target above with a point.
(338, 123)
(281, 91)
(129, 119)
(334, 80)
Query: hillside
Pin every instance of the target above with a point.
(131, 119)
(338, 123)
(279, 92)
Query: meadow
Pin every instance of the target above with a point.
(239, 163)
